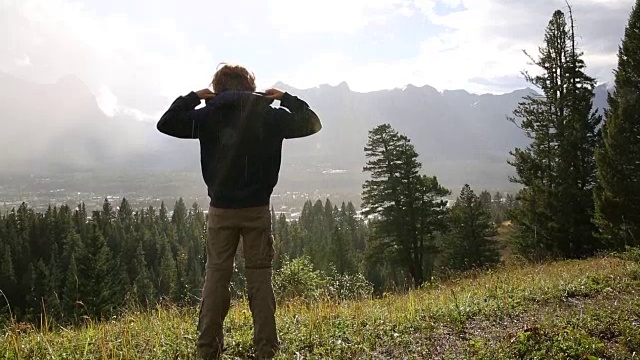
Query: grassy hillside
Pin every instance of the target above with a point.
(586, 309)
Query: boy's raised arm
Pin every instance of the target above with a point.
(181, 120)
(298, 120)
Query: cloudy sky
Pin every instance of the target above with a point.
(136, 55)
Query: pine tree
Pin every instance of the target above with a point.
(163, 218)
(329, 215)
(432, 220)
(119, 284)
(558, 165)
(107, 215)
(297, 236)
(80, 220)
(71, 287)
(485, 198)
(315, 245)
(28, 302)
(341, 256)
(43, 233)
(356, 227)
(151, 219)
(7, 274)
(395, 194)
(63, 226)
(510, 204)
(125, 212)
(470, 244)
(150, 247)
(283, 242)
(53, 286)
(142, 286)
(167, 270)
(180, 291)
(618, 192)
(180, 213)
(40, 279)
(105, 220)
(22, 247)
(95, 275)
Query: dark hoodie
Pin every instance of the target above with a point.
(241, 138)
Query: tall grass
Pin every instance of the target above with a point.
(481, 315)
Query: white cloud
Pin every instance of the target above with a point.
(483, 41)
(24, 61)
(493, 33)
(440, 64)
(137, 65)
(107, 101)
(139, 115)
(332, 16)
(129, 64)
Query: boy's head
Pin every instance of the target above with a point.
(233, 77)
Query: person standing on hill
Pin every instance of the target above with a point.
(241, 137)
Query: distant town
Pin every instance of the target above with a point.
(40, 192)
(151, 189)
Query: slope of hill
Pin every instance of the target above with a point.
(568, 310)
(461, 137)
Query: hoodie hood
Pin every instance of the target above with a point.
(232, 98)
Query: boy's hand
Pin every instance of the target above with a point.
(205, 94)
(274, 94)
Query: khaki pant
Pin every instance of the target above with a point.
(225, 228)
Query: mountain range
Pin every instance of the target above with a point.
(461, 137)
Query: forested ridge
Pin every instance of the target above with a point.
(69, 264)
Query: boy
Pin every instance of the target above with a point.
(241, 137)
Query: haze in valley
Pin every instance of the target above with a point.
(82, 83)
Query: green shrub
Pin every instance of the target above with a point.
(631, 254)
(298, 279)
(349, 287)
